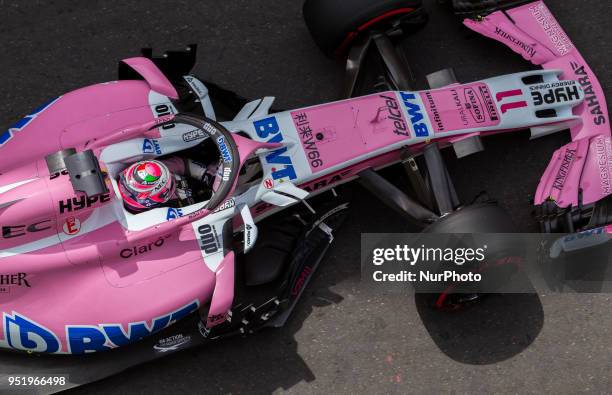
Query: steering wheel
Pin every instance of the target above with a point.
(229, 164)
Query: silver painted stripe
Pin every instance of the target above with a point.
(98, 219)
(7, 188)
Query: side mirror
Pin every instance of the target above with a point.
(85, 173)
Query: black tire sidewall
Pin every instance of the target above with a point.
(331, 21)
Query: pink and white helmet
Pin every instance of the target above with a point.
(146, 184)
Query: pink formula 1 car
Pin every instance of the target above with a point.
(220, 261)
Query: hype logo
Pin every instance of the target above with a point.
(268, 128)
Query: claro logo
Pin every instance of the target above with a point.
(142, 249)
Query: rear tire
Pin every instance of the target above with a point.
(334, 24)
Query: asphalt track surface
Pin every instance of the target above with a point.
(344, 337)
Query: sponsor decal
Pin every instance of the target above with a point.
(225, 152)
(22, 333)
(172, 343)
(268, 183)
(590, 97)
(395, 115)
(174, 213)
(561, 176)
(127, 253)
(510, 106)
(193, 83)
(488, 101)
(473, 104)
(415, 114)
(528, 49)
(585, 234)
(207, 237)
(269, 130)
(434, 112)
(552, 29)
(249, 233)
(226, 205)
(72, 226)
(305, 132)
(299, 284)
(81, 202)
(460, 107)
(227, 172)
(325, 182)
(15, 279)
(161, 110)
(151, 146)
(12, 231)
(8, 135)
(192, 135)
(210, 129)
(557, 92)
(603, 150)
(58, 174)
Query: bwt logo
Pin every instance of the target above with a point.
(7, 135)
(415, 114)
(151, 146)
(268, 128)
(22, 333)
(225, 153)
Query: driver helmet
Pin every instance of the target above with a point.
(146, 184)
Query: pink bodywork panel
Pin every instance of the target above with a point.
(445, 106)
(88, 278)
(344, 130)
(154, 77)
(91, 279)
(537, 36)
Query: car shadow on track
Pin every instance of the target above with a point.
(497, 328)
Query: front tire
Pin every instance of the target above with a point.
(334, 24)
(504, 255)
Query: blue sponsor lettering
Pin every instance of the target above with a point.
(151, 146)
(268, 128)
(24, 334)
(415, 114)
(8, 135)
(135, 331)
(174, 213)
(227, 157)
(583, 234)
(85, 339)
